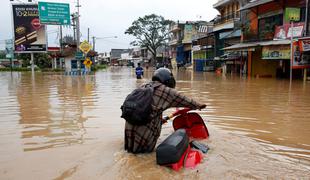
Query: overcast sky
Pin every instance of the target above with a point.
(107, 18)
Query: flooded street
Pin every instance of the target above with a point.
(69, 127)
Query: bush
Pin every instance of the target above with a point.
(19, 69)
(99, 67)
(52, 70)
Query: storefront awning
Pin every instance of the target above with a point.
(242, 46)
(254, 4)
(251, 46)
(274, 42)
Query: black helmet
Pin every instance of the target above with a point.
(165, 76)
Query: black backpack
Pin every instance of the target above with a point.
(137, 106)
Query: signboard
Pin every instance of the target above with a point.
(301, 54)
(85, 47)
(292, 14)
(188, 33)
(87, 62)
(9, 48)
(54, 13)
(304, 44)
(276, 52)
(285, 31)
(78, 55)
(29, 34)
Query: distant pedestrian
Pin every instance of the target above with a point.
(139, 71)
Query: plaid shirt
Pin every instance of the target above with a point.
(142, 139)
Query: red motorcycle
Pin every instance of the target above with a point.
(181, 148)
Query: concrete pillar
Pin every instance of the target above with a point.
(55, 63)
(250, 63)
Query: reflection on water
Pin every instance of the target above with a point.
(252, 121)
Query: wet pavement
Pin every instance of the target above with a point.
(69, 127)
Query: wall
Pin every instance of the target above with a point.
(68, 63)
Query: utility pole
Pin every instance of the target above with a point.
(74, 26)
(78, 31)
(307, 19)
(88, 35)
(94, 43)
(60, 38)
(292, 51)
(78, 24)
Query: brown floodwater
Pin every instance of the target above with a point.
(69, 127)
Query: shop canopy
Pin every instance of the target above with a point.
(251, 46)
(242, 47)
(254, 4)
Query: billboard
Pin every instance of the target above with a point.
(285, 31)
(29, 34)
(276, 52)
(54, 13)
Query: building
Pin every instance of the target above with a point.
(181, 36)
(104, 58)
(203, 50)
(227, 32)
(265, 41)
(116, 55)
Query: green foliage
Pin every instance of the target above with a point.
(42, 60)
(18, 69)
(2, 55)
(52, 70)
(150, 31)
(99, 67)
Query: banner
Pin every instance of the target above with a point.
(304, 44)
(301, 57)
(29, 34)
(188, 33)
(285, 31)
(276, 52)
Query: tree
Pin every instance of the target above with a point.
(2, 55)
(42, 60)
(150, 31)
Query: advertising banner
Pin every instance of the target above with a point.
(304, 44)
(276, 52)
(188, 33)
(285, 31)
(29, 34)
(301, 57)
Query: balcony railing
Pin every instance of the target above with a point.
(229, 17)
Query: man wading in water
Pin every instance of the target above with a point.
(143, 138)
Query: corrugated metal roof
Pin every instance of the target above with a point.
(254, 44)
(241, 46)
(254, 4)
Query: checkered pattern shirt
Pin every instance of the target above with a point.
(142, 139)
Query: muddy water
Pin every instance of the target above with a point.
(63, 127)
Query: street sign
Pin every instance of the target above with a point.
(292, 14)
(85, 47)
(78, 55)
(54, 13)
(87, 62)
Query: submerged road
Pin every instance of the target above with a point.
(69, 127)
